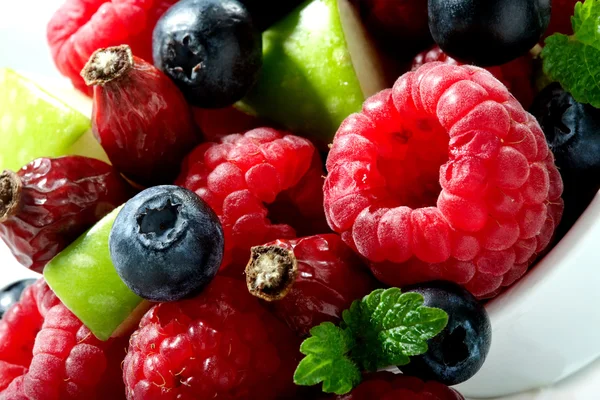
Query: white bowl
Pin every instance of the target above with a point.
(546, 326)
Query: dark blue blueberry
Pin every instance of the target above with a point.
(166, 243)
(210, 48)
(572, 131)
(488, 32)
(12, 293)
(458, 352)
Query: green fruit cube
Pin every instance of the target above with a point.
(319, 65)
(35, 124)
(85, 280)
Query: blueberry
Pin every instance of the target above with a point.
(166, 243)
(12, 293)
(572, 130)
(458, 352)
(210, 48)
(487, 32)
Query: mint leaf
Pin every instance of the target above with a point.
(327, 360)
(390, 326)
(574, 61)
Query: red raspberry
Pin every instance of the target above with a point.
(263, 185)
(47, 353)
(308, 280)
(80, 27)
(139, 116)
(452, 136)
(50, 202)
(388, 386)
(516, 75)
(560, 21)
(219, 122)
(221, 344)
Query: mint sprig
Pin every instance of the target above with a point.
(574, 61)
(383, 329)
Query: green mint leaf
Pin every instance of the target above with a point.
(327, 360)
(390, 326)
(574, 61)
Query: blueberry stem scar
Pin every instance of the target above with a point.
(271, 272)
(106, 65)
(10, 194)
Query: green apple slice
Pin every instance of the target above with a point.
(34, 123)
(319, 65)
(85, 280)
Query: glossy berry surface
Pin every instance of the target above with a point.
(328, 277)
(54, 201)
(139, 116)
(572, 131)
(516, 75)
(388, 386)
(221, 344)
(166, 243)
(459, 351)
(445, 176)
(80, 27)
(401, 26)
(47, 353)
(490, 32)
(211, 49)
(264, 185)
(12, 293)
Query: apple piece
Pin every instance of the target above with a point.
(34, 123)
(85, 280)
(319, 65)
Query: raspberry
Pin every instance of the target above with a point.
(264, 185)
(308, 280)
(516, 75)
(47, 353)
(388, 386)
(51, 201)
(221, 344)
(452, 136)
(80, 27)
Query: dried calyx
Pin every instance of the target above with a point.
(271, 272)
(10, 194)
(106, 65)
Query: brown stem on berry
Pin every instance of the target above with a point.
(10, 194)
(106, 65)
(271, 272)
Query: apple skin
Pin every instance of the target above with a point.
(308, 83)
(34, 123)
(85, 280)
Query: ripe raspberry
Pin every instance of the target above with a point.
(516, 75)
(51, 201)
(80, 27)
(388, 386)
(214, 123)
(47, 353)
(263, 185)
(221, 344)
(560, 21)
(308, 280)
(139, 116)
(452, 136)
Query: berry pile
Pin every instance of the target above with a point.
(221, 277)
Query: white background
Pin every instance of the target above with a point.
(23, 47)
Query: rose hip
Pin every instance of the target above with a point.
(139, 116)
(49, 202)
(308, 280)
